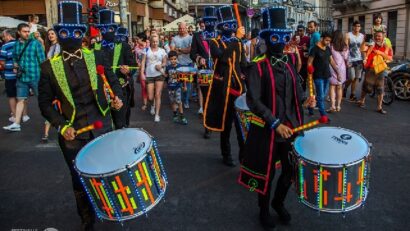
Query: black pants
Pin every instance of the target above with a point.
(225, 135)
(121, 117)
(70, 150)
(281, 150)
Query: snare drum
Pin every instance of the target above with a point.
(186, 74)
(245, 116)
(205, 77)
(332, 169)
(122, 174)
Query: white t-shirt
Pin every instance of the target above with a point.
(354, 47)
(182, 42)
(152, 59)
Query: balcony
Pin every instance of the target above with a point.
(345, 4)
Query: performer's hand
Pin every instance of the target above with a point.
(116, 103)
(69, 134)
(240, 33)
(202, 62)
(284, 131)
(310, 69)
(124, 69)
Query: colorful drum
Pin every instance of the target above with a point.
(245, 116)
(122, 174)
(186, 74)
(332, 169)
(205, 77)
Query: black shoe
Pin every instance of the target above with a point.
(267, 221)
(87, 226)
(284, 215)
(227, 160)
(207, 134)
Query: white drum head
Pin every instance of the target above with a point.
(113, 151)
(187, 69)
(332, 146)
(240, 103)
(205, 71)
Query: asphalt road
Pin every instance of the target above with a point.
(35, 188)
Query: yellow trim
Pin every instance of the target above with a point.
(64, 129)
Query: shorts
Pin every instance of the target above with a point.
(175, 96)
(372, 81)
(23, 89)
(355, 71)
(11, 89)
(154, 79)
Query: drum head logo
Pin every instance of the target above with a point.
(346, 137)
(138, 149)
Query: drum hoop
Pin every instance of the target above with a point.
(369, 146)
(327, 210)
(120, 170)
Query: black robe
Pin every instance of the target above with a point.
(274, 92)
(229, 59)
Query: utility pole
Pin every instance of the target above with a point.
(123, 13)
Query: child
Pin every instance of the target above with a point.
(174, 88)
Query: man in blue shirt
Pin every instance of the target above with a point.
(314, 34)
(6, 60)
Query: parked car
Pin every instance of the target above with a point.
(400, 75)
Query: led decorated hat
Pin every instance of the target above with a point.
(106, 21)
(226, 19)
(121, 34)
(274, 26)
(210, 19)
(70, 25)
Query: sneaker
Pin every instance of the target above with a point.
(183, 120)
(175, 119)
(152, 110)
(12, 119)
(44, 139)
(13, 127)
(26, 118)
(200, 111)
(157, 119)
(352, 98)
(186, 105)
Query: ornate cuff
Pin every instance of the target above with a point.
(275, 124)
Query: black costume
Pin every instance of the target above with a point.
(229, 58)
(200, 47)
(274, 94)
(118, 52)
(71, 78)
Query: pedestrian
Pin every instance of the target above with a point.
(291, 49)
(140, 48)
(303, 46)
(152, 70)
(53, 49)
(68, 78)
(274, 96)
(340, 55)
(33, 23)
(174, 89)
(181, 43)
(319, 61)
(314, 34)
(376, 70)
(227, 83)
(354, 40)
(28, 54)
(6, 61)
(252, 44)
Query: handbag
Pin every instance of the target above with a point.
(379, 65)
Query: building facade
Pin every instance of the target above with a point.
(396, 16)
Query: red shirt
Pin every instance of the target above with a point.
(304, 41)
(369, 63)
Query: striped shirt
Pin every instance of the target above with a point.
(6, 55)
(30, 61)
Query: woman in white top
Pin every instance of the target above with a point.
(153, 63)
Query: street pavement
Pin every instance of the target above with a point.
(202, 194)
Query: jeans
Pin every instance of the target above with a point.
(187, 94)
(322, 88)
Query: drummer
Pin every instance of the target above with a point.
(200, 52)
(174, 88)
(69, 79)
(274, 94)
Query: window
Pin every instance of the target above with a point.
(350, 23)
(362, 20)
(392, 28)
(340, 24)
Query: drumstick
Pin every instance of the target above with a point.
(100, 71)
(238, 18)
(131, 68)
(322, 120)
(310, 80)
(96, 125)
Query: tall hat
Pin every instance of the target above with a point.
(70, 19)
(210, 13)
(106, 20)
(226, 18)
(274, 25)
(210, 19)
